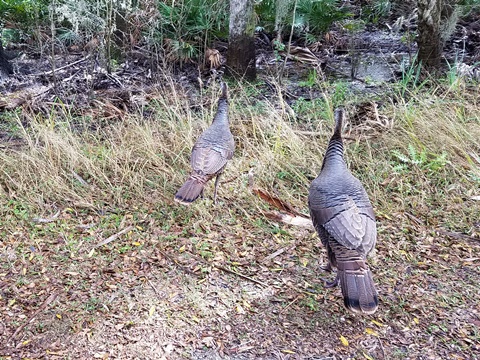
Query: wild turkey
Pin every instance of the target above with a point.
(210, 154)
(344, 219)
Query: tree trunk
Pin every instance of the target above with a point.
(241, 44)
(436, 21)
(281, 12)
(5, 66)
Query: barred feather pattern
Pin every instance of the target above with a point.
(210, 154)
(344, 219)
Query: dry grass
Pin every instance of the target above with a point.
(160, 290)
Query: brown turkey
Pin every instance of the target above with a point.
(210, 154)
(344, 219)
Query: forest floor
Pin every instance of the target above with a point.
(97, 261)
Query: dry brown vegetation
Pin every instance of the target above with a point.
(206, 281)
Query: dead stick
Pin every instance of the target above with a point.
(199, 259)
(176, 262)
(275, 254)
(115, 236)
(42, 307)
(47, 220)
(290, 303)
(63, 67)
(240, 275)
(457, 235)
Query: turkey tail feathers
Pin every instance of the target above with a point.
(358, 290)
(190, 191)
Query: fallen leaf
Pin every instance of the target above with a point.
(151, 311)
(368, 357)
(288, 351)
(370, 331)
(377, 323)
(343, 340)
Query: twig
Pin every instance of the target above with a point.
(229, 180)
(160, 295)
(70, 77)
(381, 347)
(47, 220)
(42, 307)
(115, 80)
(414, 218)
(290, 303)
(457, 235)
(176, 262)
(250, 178)
(199, 259)
(275, 254)
(240, 275)
(308, 133)
(63, 67)
(79, 179)
(114, 236)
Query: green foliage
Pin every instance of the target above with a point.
(410, 75)
(67, 36)
(186, 26)
(311, 16)
(377, 10)
(341, 93)
(316, 16)
(311, 79)
(311, 110)
(421, 159)
(82, 16)
(265, 11)
(23, 13)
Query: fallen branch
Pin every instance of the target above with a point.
(42, 307)
(199, 259)
(274, 255)
(63, 67)
(457, 235)
(114, 236)
(296, 220)
(47, 220)
(240, 275)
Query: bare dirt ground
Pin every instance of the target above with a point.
(205, 291)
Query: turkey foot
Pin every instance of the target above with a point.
(330, 284)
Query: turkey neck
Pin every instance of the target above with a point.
(334, 155)
(221, 117)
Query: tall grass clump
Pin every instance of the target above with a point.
(426, 160)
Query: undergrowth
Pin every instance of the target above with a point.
(68, 182)
(131, 161)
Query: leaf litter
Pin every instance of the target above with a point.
(154, 293)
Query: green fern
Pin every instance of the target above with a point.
(421, 159)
